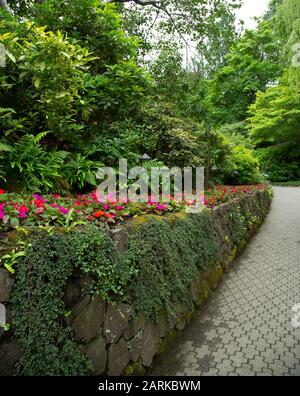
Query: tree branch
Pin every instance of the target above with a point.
(160, 6)
(164, 9)
(139, 2)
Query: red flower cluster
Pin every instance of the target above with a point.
(53, 209)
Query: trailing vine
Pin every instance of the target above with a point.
(168, 257)
(38, 296)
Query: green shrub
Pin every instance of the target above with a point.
(242, 167)
(33, 168)
(280, 167)
(52, 85)
(42, 80)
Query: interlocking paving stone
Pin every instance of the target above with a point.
(246, 326)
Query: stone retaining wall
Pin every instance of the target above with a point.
(115, 340)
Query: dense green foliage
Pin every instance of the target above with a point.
(168, 256)
(276, 112)
(87, 83)
(38, 309)
(84, 99)
(250, 65)
(38, 296)
(164, 257)
(67, 95)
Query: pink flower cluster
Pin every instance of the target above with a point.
(56, 210)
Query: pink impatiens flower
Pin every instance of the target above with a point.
(23, 210)
(2, 214)
(161, 207)
(63, 210)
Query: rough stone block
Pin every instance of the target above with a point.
(180, 325)
(116, 321)
(135, 347)
(215, 277)
(118, 358)
(134, 326)
(96, 352)
(10, 354)
(6, 284)
(200, 291)
(89, 314)
(149, 344)
(119, 236)
(72, 292)
(162, 323)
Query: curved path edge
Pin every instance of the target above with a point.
(248, 325)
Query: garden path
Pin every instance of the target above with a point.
(246, 327)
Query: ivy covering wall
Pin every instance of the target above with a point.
(159, 261)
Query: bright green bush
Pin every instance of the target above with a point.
(95, 26)
(242, 167)
(42, 81)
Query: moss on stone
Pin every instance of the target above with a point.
(167, 340)
(204, 292)
(190, 315)
(135, 369)
(230, 259)
(215, 277)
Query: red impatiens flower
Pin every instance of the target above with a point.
(2, 192)
(38, 203)
(110, 216)
(99, 214)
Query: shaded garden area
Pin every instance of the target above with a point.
(92, 286)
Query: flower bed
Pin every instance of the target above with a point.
(55, 210)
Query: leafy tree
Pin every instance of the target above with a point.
(275, 116)
(53, 86)
(275, 124)
(252, 63)
(209, 23)
(272, 9)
